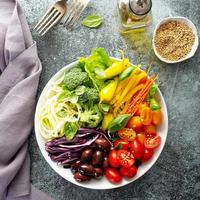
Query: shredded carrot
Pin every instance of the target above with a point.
(142, 95)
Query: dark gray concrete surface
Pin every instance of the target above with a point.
(176, 174)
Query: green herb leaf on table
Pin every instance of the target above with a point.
(92, 21)
(118, 123)
(70, 130)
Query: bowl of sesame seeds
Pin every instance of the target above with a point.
(175, 39)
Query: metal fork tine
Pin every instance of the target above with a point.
(71, 11)
(82, 7)
(76, 9)
(46, 19)
(49, 22)
(55, 22)
(43, 17)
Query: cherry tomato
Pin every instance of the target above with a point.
(125, 158)
(127, 134)
(135, 123)
(141, 137)
(157, 117)
(113, 175)
(150, 130)
(124, 144)
(136, 149)
(139, 108)
(147, 155)
(152, 142)
(128, 173)
(146, 115)
(112, 158)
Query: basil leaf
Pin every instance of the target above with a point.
(153, 90)
(118, 147)
(92, 21)
(70, 130)
(154, 105)
(104, 107)
(118, 123)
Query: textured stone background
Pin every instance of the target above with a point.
(176, 174)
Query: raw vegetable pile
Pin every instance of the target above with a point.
(100, 118)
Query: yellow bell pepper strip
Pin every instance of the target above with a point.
(106, 120)
(133, 82)
(127, 100)
(107, 93)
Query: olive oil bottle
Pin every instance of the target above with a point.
(134, 14)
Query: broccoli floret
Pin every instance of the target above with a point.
(90, 94)
(76, 77)
(90, 116)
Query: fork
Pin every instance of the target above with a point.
(53, 15)
(74, 11)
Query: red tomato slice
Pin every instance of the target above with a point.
(123, 143)
(152, 142)
(147, 155)
(113, 175)
(112, 158)
(128, 173)
(136, 149)
(125, 158)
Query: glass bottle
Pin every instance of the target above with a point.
(134, 14)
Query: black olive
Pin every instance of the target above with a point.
(80, 177)
(97, 158)
(98, 173)
(86, 169)
(103, 144)
(75, 166)
(105, 163)
(86, 155)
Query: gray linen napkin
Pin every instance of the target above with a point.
(20, 69)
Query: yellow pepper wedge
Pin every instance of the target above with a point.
(107, 93)
(106, 120)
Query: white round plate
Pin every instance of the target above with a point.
(102, 183)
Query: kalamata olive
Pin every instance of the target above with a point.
(80, 177)
(75, 166)
(97, 158)
(86, 169)
(103, 144)
(86, 155)
(98, 173)
(105, 163)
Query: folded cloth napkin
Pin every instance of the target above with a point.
(20, 69)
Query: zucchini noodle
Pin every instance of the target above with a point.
(58, 109)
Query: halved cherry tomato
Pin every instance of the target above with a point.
(135, 123)
(125, 158)
(141, 137)
(112, 158)
(128, 173)
(113, 175)
(124, 144)
(136, 149)
(127, 134)
(152, 142)
(146, 115)
(147, 155)
(157, 117)
(139, 108)
(150, 130)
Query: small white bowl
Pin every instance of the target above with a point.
(194, 47)
(103, 183)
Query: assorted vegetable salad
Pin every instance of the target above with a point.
(100, 117)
